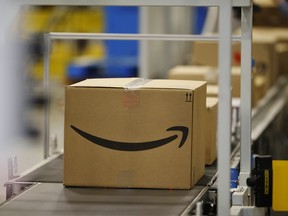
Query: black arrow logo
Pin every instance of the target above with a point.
(188, 97)
(137, 146)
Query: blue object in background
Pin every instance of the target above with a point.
(121, 67)
(121, 19)
(121, 55)
(234, 173)
(109, 67)
(200, 14)
(121, 58)
(79, 71)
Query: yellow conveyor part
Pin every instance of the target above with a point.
(280, 185)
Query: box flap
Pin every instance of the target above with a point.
(135, 83)
(105, 82)
(174, 84)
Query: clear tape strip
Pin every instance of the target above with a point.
(136, 84)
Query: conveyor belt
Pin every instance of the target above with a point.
(51, 172)
(51, 198)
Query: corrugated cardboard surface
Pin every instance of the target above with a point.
(127, 114)
(211, 130)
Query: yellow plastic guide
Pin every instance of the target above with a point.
(280, 186)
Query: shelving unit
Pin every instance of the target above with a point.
(225, 38)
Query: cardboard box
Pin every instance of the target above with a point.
(281, 47)
(212, 90)
(263, 52)
(259, 89)
(209, 74)
(206, 54)
(211, 128)
(188, 72)
(205, 73)
(134, 133)
(265, 56)
(282, 56)
(268, 15)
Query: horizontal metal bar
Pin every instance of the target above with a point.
(196, 3)
(162, 37)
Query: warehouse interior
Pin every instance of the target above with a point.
(144, 107)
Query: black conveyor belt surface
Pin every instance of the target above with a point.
(53, 199)
(50, 172)
(50, 197)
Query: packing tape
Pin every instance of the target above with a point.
(136, 84)
(131, 98)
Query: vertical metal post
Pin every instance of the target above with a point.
(246, 89)
(224, 111)
(144, 45)
(46, 83)
(168, 45)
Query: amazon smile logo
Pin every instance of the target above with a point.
(135, 146)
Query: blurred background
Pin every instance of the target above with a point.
(22, 93)
(24, 103)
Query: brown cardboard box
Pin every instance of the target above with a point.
(259, 89)
(211, 137)
(134, 133)
(282, 56)
(212, 90)
(263, 52)
(268, 15)
(206, 54)
(187, 72)
(205, 73)
(281, 47)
